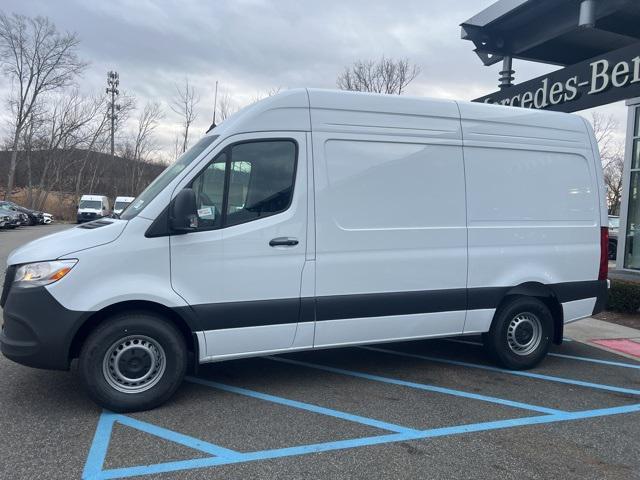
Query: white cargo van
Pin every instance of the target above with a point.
(92, 207)
(317, 219)
(121, 203)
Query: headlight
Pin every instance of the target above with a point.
(42, 273)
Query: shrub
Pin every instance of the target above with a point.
(624, 297)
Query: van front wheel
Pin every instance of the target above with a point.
(520, 334)
(133, 361)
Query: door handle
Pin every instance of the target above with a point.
(284, 242)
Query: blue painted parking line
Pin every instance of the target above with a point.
(176, 437)
(538, 376)
(354, 443)
(97, 454)
(217, 455)
(303, 406)
(562, 355)
(420, 386)
(596, 360)
(98, 451)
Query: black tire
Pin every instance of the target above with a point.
(153, 334)
(508, 341)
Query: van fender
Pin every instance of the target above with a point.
(183, 318)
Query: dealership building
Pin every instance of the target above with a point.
(596, 44)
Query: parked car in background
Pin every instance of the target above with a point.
(614, 226)
(92, 207)
(24, 219)
(4, 220)
(121, 203)
(15, 218)
(34, 217)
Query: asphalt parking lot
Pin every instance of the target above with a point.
(426, 409)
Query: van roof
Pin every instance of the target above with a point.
(93, 197)
(299, 109)
(125, 199)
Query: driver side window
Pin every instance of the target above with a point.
(247, 181)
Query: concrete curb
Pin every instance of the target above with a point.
(589, 329)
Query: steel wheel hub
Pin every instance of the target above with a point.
(524, 333)
(134, 364)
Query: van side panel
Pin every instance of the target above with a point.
(533, 202)
(390, 233)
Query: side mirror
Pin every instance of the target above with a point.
(183, 216)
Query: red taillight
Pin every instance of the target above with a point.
(604, 254)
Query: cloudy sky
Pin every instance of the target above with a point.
(251, 46)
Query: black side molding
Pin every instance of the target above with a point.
(216, 316)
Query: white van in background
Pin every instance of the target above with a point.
(317, 219)
(121, 203)
(93, 207)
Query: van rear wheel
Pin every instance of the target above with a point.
(520, 335)
(133, 361)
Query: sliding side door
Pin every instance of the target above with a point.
(391, 237)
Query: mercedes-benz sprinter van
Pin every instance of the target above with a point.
(317, 219)
(121, 203)
(93, 207)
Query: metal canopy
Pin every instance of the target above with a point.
(561, 32)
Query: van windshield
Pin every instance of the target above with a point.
(120, 205)
(95, 204)
(165, 178)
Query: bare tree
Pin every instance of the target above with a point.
(66, 127)
(226, 106)
(613, 181)
(185, 104)
(385, 75)
(270, 92)
(37, 59)
(177, 148)
(144, 143)
(33, 138)
(604, 128)
(95, 136)
(612, 156)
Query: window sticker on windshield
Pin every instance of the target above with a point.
(207, 213)
(138, 204)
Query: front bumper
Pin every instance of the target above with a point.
(87, 217)
(37, 330)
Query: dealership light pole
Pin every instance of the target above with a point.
(113, 80)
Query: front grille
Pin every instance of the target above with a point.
(8, 280)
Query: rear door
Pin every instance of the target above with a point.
(241, 271)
